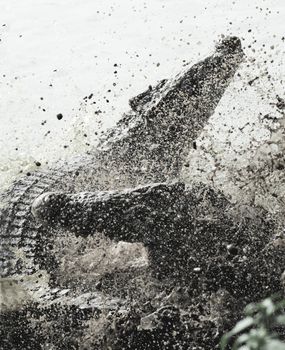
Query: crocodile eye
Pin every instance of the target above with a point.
(40, 204)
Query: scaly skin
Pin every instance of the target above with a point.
(183, 229)
(148, 144)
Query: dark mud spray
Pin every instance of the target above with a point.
(202, 261)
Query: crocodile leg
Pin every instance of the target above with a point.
(183, 230)
(129, 215)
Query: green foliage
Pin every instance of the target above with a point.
(255, 331)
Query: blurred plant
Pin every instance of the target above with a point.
(256, 330)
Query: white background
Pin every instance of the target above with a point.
(73, 45)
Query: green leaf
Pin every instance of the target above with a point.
(224, 341)
(242, 325)
(280, 319)
(250, 309)
(274, 344)
(239, 327)
(269, 306)
(242, 338)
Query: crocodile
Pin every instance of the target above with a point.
(147, 145)
(144, 153)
